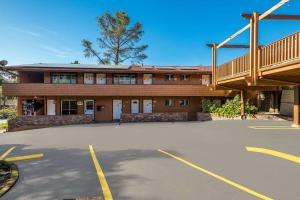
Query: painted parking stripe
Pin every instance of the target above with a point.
(274, 153)
(102, 180)
(6, 153)
(27, 157)
(232, 183)
(274, 127)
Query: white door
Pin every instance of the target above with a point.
(89, 107)
(135, 106)
(50, 107)
(147, 106)
(117, 109)
(147, 79)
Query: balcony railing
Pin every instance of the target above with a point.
(281, 51)
(43, 89)
(238, 66)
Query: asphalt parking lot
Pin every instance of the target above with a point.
(188, 160)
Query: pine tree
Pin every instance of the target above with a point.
(117, 41)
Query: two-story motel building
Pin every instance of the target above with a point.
(105, 91)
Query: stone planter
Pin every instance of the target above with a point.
(154, 117)
(33, 122)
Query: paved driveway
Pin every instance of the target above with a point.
(199, 161)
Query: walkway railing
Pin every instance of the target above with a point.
(236, 67)
(276, 53)
(280, 51)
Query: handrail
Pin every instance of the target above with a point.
(283, 50)
(234, 67)
(280, 51)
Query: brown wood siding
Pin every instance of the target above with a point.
(31, 89)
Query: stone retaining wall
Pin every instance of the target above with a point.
(33, 122)
(260, 116)
(154, 117)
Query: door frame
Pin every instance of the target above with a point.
(112, 102)
(151, 105)
(138, 102)
(84, 107)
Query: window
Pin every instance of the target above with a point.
(64, 78)
(184, 103)
(88, 78)
(101, 79)
(205, 79)
(124, 79)
(169, 102)
(147, 79)
(68, 107)
(170, 77)
(185, 77)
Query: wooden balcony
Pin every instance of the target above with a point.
(41, 89)
(278, 64)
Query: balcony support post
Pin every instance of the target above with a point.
(296, 106)
(242, 104)
(214, 65)
(254, 48)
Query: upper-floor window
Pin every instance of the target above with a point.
(101, 79)
(206, 79)
(124, 78)
(69, 78)
(169, 102)
(184, 103)
(147, 79)
(170, 77)
(88, 78)
(185, 77)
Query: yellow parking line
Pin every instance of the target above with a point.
(234, 184)
(102, 180)
(274, 127)
(7, 152)
(28, 157)
(274, 153)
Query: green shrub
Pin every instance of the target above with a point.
(208, 106)
(3, 125)
(232, 108)
(7, 113)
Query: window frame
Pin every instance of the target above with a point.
(168, 104)
(185, 77)
(132, 79)
(69, 107)
(184, 103)
(59, 79)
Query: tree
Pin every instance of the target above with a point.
(75, 62)
(117, 40)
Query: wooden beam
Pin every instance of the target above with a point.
(262, 16)
(296, 106)
(279, 81)
(273, 17)
(214, 65)
(231, 46)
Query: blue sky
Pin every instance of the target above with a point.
(50, 31)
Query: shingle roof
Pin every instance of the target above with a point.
(112, 67)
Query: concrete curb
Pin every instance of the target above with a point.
(14, 176)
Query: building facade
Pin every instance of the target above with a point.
(105, 92)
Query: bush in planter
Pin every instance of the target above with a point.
(208, 106)
(7, 113)
(231, 108)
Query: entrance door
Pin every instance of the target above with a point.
(50, 107)
(117, 109)
(147, 106)
(135, 106)
(89, 107)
